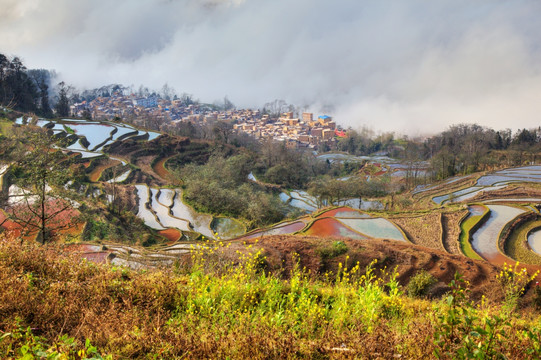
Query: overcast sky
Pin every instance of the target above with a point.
(408, 66)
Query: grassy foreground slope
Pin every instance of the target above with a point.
(235, 301)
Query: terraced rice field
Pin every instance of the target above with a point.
(490, 182)
(163, 209)
(280, 229)
(344, 212)
(172, 235)
(451, 231)
(144, 213)
(159, 168)
(131, 256)
(164, 216)
(120, 178)
(424, 229)
(95, 174)
(424, 188)
(524, 242)
(485, 239)
(97, 133)
(377, 228)
(351, 223)
(123, 132)
(199, 222)
(3, 170)
(332, 227)
(303, 200)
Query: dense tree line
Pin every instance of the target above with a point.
(366, 142)
(461, 149)
(467, 148)
(24, 89)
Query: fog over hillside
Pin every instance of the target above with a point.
(406, 66)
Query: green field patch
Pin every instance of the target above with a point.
(478, 215)
(517, 244)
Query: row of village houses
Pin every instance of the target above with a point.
(305, 131)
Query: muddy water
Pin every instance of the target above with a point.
(227, 228)
(332, 227)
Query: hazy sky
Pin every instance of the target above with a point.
(393, 65)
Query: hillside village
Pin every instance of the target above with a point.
(155, 112)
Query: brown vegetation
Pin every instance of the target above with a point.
(424, 230)
(451, 230)
(407, 258)
(220, 311)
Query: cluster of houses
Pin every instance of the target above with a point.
(296, 132)
(155, 112)
(131, 106)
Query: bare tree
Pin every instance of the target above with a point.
(39, 200)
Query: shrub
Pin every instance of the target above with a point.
(420, 283)
(537, 296)
(335, 249)
(464, 331)
(514, 280)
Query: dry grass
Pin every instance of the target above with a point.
(425, 230)
(451, 231)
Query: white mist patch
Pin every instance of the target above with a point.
(412, 67)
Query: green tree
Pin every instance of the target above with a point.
(62, 106)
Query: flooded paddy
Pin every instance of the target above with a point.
(303, 200)
(121, 178)
(344, 212)
(490, 182)
(332, 227)
(144, 213)
(534, 240)
(164, 216)
(281, 229)
(485, 239)
(378, 228)
(199, 222)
